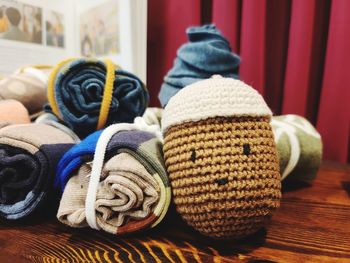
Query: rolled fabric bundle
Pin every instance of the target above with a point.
(29, 154)
(115, 180)
(12, 111)
(207, 53)
(27, 85)
(299, 147)
(90, 94)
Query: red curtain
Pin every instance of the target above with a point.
(294, 52)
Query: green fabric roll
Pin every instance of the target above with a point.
(299, 147)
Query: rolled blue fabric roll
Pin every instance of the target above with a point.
(79, 87)
(207, 53)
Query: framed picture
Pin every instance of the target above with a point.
(116, 29)
(45, 32)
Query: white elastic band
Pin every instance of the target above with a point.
(97, 163)
(154, 128)
(289, 130)
(152, 116)
(36, 73)
(302, 124)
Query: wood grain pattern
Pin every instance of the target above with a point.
(312, 225)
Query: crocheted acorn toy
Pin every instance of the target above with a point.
(221, 157)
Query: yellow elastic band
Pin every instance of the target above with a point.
(51, 86)
(107, 94)
(42, 66)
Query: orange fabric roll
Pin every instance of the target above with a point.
(12, 111)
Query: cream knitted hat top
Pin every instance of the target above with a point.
(214, 97)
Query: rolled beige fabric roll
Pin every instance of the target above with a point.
(27, 85)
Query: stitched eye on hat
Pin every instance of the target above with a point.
(246, 149)
(193, 155)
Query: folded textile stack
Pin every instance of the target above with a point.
(115, 180)
(89, 94)
(207, 53)
(27, 85)
(29, 154)
(13, 112)
(299, 147)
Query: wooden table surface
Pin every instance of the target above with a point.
(312, 225)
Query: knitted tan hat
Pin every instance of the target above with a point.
(214, 97)
(221, 157)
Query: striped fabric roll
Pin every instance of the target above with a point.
(29, 154)
(114, 180)
(299, 147)
(27, 85)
